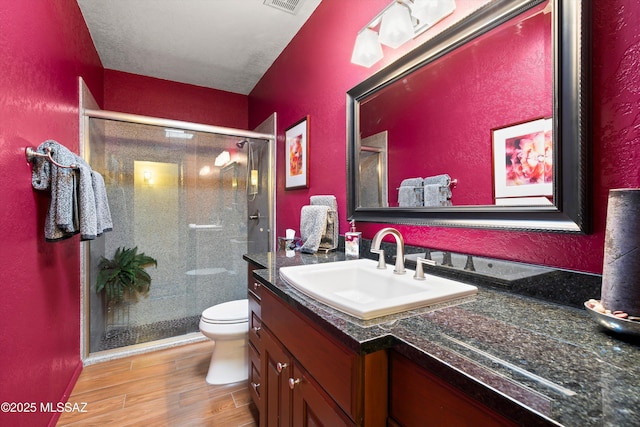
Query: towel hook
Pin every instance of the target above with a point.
(31, 154)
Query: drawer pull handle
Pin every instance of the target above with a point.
(280, 367)
(257, 329)
(293, 382)
(256, 285)
(255, 386)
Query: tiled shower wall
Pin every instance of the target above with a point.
(197, 267)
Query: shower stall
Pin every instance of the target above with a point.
(195, 198)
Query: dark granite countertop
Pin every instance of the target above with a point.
(535, 361)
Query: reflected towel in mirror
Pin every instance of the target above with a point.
(410, 193)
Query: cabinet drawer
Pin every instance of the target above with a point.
(254, 375)
(255, 322)
(330, 363)
(253, 286)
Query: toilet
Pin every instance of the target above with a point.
(227, 324)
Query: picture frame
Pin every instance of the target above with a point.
(297, 155)
(523, 160)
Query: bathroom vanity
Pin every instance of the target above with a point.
(496, 358)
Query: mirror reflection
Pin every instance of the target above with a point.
(483, 125)
(444, 116)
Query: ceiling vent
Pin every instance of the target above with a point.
(289, 6)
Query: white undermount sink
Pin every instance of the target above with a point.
(358, 288)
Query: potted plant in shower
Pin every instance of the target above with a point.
(125, 273)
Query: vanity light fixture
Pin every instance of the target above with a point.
(396, 27)
(367, 50)
(431, 11)
(397, 23)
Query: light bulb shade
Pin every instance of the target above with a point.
(429, 12)
(396, 27)
(367, 50)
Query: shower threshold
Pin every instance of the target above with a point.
(127, 336)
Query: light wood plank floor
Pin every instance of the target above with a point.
(164, 388)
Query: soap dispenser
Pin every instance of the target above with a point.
(352, 242)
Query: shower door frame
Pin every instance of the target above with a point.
(85, 115)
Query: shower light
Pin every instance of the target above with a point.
(205, 170)
(177, 133)
(396, 24)
(222, 159)
(253, 182)
(147, 177)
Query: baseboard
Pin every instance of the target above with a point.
(67, 392)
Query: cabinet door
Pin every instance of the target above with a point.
(419, 398)
(276, 395)
(312, 407)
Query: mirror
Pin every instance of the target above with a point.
(492, 111)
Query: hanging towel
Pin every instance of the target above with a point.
(409, 197)
(313, 224)
(327, 200)
(86, 206)
(410, 193)
(443, 180)
(330, 237)
(78, 203)
(103, 213)
(61, 221)
(437, 190)
(412, 182)
(432, 195)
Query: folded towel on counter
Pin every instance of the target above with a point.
(330, 237)
(313, 224)
(74, 207)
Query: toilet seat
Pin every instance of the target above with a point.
(227, 313)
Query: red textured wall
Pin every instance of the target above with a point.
(448, 130)
(135, 94)
(45, 46)
(313, 74)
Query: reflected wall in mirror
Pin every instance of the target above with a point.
(511, 62)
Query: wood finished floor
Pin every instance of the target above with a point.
(164, 388)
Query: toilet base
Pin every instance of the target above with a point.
(229, 362)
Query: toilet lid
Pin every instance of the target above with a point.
(227, 312)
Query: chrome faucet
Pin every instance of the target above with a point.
(375, 248)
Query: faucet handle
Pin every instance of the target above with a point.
(382, 265)
(419, 274)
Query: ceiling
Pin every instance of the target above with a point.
(220, 44)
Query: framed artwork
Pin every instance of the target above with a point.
(297, 155)
(523, 159)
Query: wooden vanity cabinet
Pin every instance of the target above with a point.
(291, 396)
(419, 398)
(254, 291)
(310, 379)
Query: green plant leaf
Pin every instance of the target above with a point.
(124, 273)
